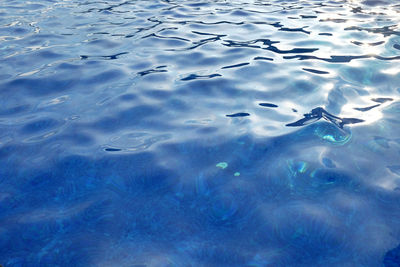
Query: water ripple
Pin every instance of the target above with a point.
(116, 117)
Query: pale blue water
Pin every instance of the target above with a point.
(199, 133)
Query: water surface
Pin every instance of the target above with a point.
(199, 133)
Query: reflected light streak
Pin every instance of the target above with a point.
(371, 115)
(391, 71)
(388, 183)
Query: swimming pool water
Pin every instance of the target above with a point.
(199, 133)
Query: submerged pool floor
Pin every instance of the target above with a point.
(199, 133)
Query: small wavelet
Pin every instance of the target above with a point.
(195, 76)
(268, 105)
(370, 44)
(235, 66)
(382, 99)
(264, 58)
(367, 108)
(316, 71)
(240, 114)
(158, 69)
(111, 57)
(320, 113)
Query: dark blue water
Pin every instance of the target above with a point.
(199, 133)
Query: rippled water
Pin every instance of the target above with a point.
(199, 133)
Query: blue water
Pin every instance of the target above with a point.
(199, 133)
